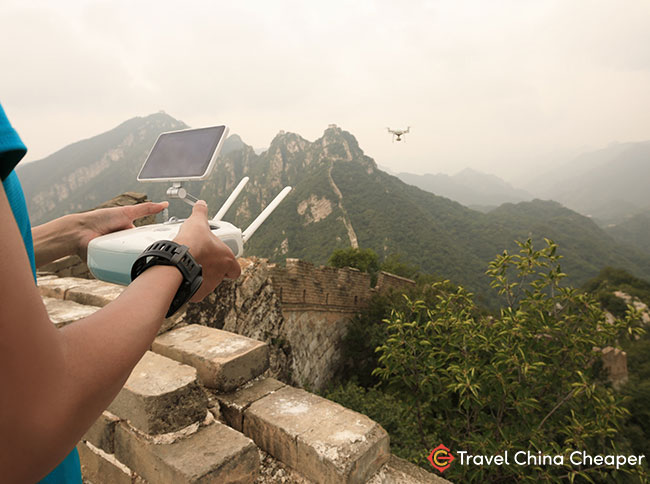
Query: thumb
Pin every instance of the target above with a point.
(200, 210)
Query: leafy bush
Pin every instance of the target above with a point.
(366, 260)
(527, 379)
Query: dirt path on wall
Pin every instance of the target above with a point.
(346, 219)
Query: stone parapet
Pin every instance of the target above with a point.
(300, 310)
(233, 405)
(325, 441)
(161, 427)
(214, 454)
(399, 471)
(615, 364)
(64, 312)
(160, 396)
(224, 361)
(102, 433)
(302, 283)
(69, 299)
(97, 466)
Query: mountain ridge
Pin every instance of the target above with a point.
(340, 196)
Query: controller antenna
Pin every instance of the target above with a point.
(265, 213)
(230, 200)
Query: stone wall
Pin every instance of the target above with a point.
(615, 365)
(300, 310)
(302, 285)
(196, 409)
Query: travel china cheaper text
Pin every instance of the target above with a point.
(527, 458)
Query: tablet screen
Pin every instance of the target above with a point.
(182, 154)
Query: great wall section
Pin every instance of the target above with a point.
(217, 397)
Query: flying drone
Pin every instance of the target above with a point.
(398, 133)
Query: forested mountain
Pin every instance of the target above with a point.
(634, 230)
(609, 184)
(85, 174)
(340, 198)
(469, 187)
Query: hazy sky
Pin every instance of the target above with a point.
(494, 85)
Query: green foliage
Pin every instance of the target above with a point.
(366, 260)
(527, 379)
(365, 333)
(395, 264)
(398, 420)
(637, 391)
(610, 280)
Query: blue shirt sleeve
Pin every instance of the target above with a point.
(12, 150)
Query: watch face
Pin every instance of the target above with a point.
(186, 154)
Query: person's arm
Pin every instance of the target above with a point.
(55, 383)
(70, 234)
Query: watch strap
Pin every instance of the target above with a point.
(169, 253)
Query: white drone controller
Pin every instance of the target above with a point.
(176, 156)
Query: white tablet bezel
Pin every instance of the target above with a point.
(208, 169)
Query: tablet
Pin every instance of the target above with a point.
(188, 154)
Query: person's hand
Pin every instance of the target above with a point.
(107, 220)
(215, 257)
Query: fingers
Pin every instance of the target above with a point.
(143, 209)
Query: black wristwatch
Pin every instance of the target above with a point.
(168, 253)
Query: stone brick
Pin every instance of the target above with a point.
(160, 396)
(58, 287)
(323, 440)
(233, 405)
(224, 360)
(98, 467)
(214, 454)
(348, 447)
(94, 293)
(615, 364)
(400, 471)
(64, 312)
(61, 264)
(102, 432)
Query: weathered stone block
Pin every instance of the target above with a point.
(64, 312)
(59, 286)
(400, 471)
(102, 432)
(94, 293)
(160, 396)
(98, 467)
(224, 360)
(275, 421)
(323, 440)
(61, 264)
(348, 447)
(214, 454)
(233, 405)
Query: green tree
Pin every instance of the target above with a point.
(395, 264)
(366, 260)
(527, 379)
